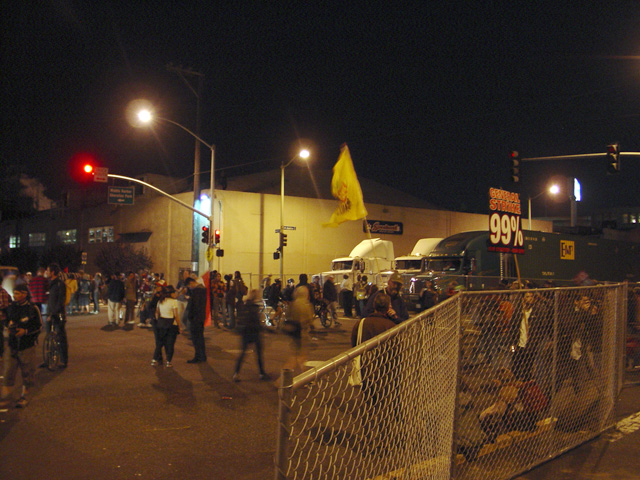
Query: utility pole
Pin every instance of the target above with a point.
(183, 73)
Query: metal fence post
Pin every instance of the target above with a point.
(285, 394)
(454, 441)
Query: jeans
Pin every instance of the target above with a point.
(165, 337)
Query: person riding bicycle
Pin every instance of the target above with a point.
(24, 324)
(273, 299)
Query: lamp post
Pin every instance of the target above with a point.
(303, 154)
(145, 117)
(553, 189)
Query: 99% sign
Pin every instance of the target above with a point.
(505, 235)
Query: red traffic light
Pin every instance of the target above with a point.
(88, 168)
(217, 236)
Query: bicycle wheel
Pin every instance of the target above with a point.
(324, 318)
(51, 351)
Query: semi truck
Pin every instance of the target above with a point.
(561, 259)
(410, 265)
(369, 257)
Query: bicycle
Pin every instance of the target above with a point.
(321, 310)
(51, 348)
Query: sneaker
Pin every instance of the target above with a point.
(236, 377)
(23, 402)
(141, 325)
(154, 363)
(168, 365)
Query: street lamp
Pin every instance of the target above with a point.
(553, 190)
(145, 116)
(303, 154)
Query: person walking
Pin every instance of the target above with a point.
(301, 319)
(251, 332)
(84, 291)
(196, 313)
(167, 326)
(24, 323)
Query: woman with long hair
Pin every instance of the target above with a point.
(166, 325)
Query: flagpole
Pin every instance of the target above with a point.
(372, 247)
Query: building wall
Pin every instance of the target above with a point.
(248, 224)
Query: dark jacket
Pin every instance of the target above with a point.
(197, 305)
(26, 316)
(115, 290)
(57, 296)
(397, 304)
(374, 324)
(329, 292)
(249, 318)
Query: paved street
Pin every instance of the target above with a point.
(111, 415)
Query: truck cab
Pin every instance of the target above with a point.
(369, 257)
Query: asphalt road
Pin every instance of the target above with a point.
(110, 415)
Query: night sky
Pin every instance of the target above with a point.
(429, 96)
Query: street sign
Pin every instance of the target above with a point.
(120, 196)
(286, 227)
(505, 233)
(100, 174)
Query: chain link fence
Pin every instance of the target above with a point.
(484, 385)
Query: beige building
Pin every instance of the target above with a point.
(248, 221)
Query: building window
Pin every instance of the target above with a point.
(101, 235)
(67, 236)
(14, 241)
(37, 239)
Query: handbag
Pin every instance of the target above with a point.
(355, 377)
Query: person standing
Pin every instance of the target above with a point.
(346, 291)
(167, 326)
(251, 332)
(528, 328)
(115, 295)
(97, 286)
(39, 286)
(301, 318)
(57, 317)
(24, 323)
(230, 302)
(131, 298)
(5, 301)
(397, 310)
(217, 294)
(84, 292)
(197, 314)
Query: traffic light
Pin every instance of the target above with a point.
(217, 237)
(515, 167)
(205, 235)
(283, 239)
(613, 159)
(88, 169)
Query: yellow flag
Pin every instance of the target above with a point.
(346, 188)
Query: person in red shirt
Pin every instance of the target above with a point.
(39, 288)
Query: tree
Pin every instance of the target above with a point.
(122, 257)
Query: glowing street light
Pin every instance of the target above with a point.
(303, 154)
(554, 189)
(140, 113)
